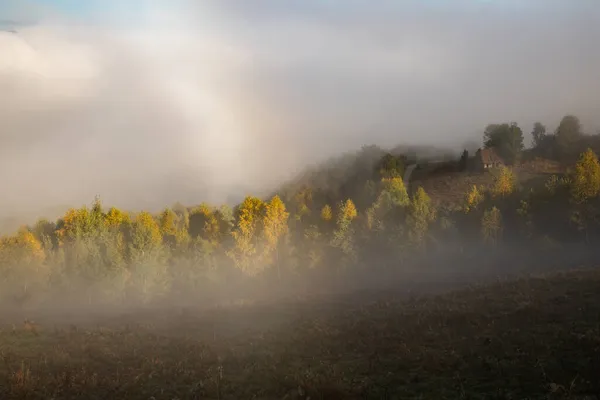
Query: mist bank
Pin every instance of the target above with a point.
(150, 104)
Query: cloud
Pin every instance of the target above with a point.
(197, 101)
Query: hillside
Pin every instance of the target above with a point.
(534, 338)
(448, 188)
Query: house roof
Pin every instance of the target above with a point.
(489, 156)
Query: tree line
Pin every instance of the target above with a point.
(300, 235)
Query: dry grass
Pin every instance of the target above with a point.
(536, 338)
(449, 188)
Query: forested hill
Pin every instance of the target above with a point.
(347, 223)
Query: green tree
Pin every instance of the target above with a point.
(568, 133)
(390, 166)
(343, 236)
(538, 134)
(464, 161)
(506, 139)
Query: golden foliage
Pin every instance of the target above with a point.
(206, 222)
(145, 232)
(586, 178)
(168, 223)
(116, 218)
(505, 182)
(275, 221)
(246, 233)
(422, 213)
(326, 213)
(395, 187)
(348, 211)
(21, 248)
(472, 199)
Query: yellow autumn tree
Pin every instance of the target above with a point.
(115, 218)
(168, 227)
(204, 223)
(246, 233)
(22, 248)
(81, 223)
(504, 184)
(275, 226)
(421, 214)
(149, 275)
(73, 224)
(585, 182)
(388, 207)
(472, 199)
(585, 186)
(395, 187)
(145, 233)
(326, 213)
(21, 265)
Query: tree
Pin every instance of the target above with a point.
(117, 223)
(246, 234)
(301, 203)
(504, 184)
(526, 218)
(506, 139)
(491, 226)
(326, 213)
(472, 199)
(422, 214)
(116, 218)
(390, 166)
(538, 134)
(395, 187)
(275, 227)
(168, 227)
(204, 224)
(343, 236)
(145, 234)
(568, 133)
(464, 160)
(585, 183)
(21, 265)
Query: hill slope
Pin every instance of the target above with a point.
(533, 338)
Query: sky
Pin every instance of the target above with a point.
(150, 102)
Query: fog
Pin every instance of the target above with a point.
(157, 102)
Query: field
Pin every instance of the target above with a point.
(449, 187)
(533, 338)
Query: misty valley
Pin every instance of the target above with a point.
(299, 200)
(473, 274)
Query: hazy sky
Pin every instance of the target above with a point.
(149, 102)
